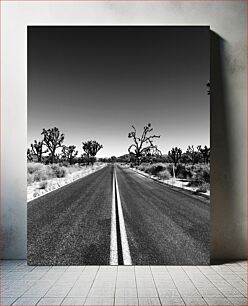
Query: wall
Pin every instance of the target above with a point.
(227, 20)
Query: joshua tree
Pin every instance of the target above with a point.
(53, 140)
(91, 148)
(175, 155)
(143, 146)
(69, 153)
(192, 154)
(29, 155)
(36, 150)
(205, 152)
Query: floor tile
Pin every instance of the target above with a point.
(126, 292)
(58, 291)
(122, 301)
(147, 292)
(210, 292)
(102, 292)
(166, 292)
(166, 301)
(99, 301)
(125, 283)
(194, 301)
(79, 291)
(58, 268)
(126, 268)
(239, 301)
(229, 291)
(7, 300)
(50, 301)
(38, 290)
(26, 301)
(217, 301)
(186, 292)
(73, 301)
(130, 285)
(75, 269)
(149, 301)
(145, 283)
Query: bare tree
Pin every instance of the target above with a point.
(36, 150)
(69, 153)
(175, 155)
(205, 152)
(53, 140)
(91, 148)
(143, 146)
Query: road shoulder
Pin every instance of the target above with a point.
(176, 188)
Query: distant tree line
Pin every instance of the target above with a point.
(142, 150)
(46, 150)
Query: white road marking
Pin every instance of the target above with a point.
(113, 240)
(124, 242)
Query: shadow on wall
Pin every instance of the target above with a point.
(223, 223)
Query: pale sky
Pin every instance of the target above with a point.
(95, 82)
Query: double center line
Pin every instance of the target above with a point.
(119, 248)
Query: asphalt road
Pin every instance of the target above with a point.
(164, 226)
(72, 225)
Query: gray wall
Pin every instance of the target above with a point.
(227, 20)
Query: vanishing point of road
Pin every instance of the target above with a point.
(116, 216)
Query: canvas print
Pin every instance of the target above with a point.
(118, 152)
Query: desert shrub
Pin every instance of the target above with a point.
(43, 185)
(184, 171)
(202, 173)
(29, 178)
(143, 167)
(34, 167)
(58, 171)
(201, 176)
(154, 169)
(37, 172)
(164, 175)
(74, 168)
(40, 176)
(64, 163)
(203, 188)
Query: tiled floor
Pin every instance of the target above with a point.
(123, 285)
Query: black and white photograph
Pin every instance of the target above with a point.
(118, 146)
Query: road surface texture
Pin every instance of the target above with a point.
(164, 226)
(71, 225)
(74, 224)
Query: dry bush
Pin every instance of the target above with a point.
(29, 178)
(143, 167)
(43, 185)
(58, 171)
(201, 177)
(34, 167)
(164, 175)
(184, 171)
(203, 188)
(38, 172)
(155, 169)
